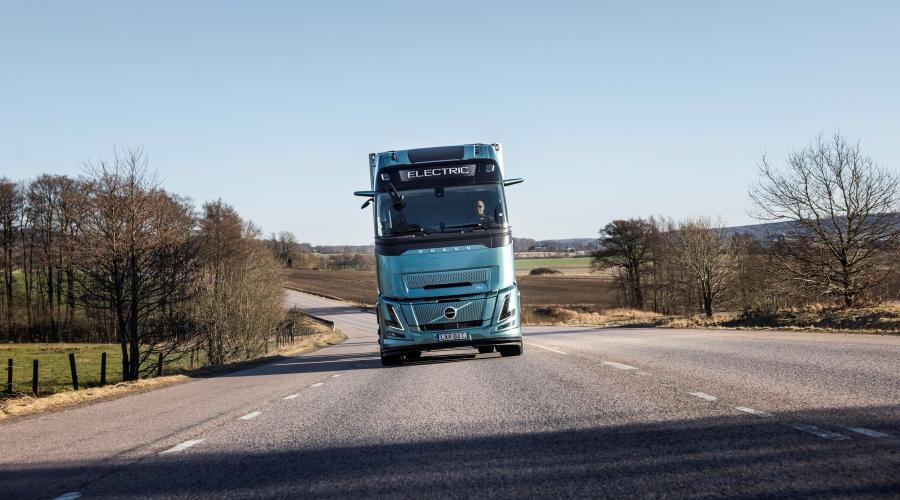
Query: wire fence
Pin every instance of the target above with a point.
(44, 369)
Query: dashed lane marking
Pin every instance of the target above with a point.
(619, 366)
(183, 446)
(292, 396)
(703, 395)
(557, 351)
(751, 411)
(822, 433)
(72, 495)
(250, 416)
(868, 432)
(317, 384)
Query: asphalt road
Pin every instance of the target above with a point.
(583, 413)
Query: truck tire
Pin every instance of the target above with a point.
(485, 349)
(510, 350)
(413, 356)
(391, 360)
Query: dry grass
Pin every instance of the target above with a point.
(882, 319)
(588, 315)
(26, 405)
(21, 405)
(879, 319)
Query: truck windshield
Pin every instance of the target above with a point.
(450, 209)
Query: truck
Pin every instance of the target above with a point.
(443, 252)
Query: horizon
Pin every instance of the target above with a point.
(608, 112)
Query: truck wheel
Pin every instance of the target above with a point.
(510, 350)
(391, 360)
(485, 349)
(413, 356)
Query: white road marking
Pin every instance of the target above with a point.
(336, 375)
(292, 396)
(183, 446)
(557, 351)
(619, 366)
(72, 495)
(868, 432)
(250, 416)
(822, 433)
(751, 411)
(703, 395)
(317, 384)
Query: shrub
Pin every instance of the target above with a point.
(538, 271)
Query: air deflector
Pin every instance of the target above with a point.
(442, 153)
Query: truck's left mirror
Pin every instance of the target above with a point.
(367, 203)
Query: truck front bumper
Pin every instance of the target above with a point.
(429, 342)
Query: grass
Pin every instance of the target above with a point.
(316, 337)
(54, 374)
(555, 262)
(588, 315)
(881, 319)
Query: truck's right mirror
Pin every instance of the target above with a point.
(512, 182)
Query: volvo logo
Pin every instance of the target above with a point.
(450, 313)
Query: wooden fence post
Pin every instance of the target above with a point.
(34, 377)
(159, 365)
(74, 372)
(102, 369)
(9, 368)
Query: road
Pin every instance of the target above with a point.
(583, 413)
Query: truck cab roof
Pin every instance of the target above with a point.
(463, 152)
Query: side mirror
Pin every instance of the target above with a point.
(367, 194)
(367, 203)
(513, 182)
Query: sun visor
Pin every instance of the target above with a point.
(443, 153)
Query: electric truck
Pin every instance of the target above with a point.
(443, 252)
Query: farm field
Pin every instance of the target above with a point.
(566, 265)
(359, 287)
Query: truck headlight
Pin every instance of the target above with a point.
(392, 319)
(507, 310)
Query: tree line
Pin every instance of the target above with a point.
(840, 245)
(113, 257)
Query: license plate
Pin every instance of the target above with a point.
(444, 337)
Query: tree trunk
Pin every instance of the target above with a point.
(133, 319)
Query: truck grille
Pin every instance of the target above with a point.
(465, 277)
(433, 313)
(450, 326)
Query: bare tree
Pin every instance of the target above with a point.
(239, 304)
(845, 212)
(626, 245)
(285, 247)
(134, 250)
(11, 203)
(703, 254)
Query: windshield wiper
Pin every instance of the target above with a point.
(409, 230)
(474, 225)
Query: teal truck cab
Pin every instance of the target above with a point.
(443, 249)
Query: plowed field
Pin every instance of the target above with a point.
(359, 287)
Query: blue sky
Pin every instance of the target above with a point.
(608, 110)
